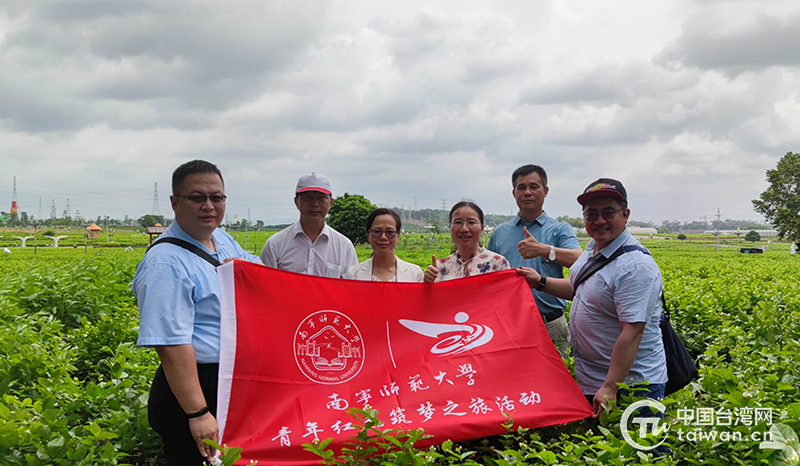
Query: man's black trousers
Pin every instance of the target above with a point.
(170, 422)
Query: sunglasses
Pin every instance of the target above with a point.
(201, 198)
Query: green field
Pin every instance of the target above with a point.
(74, 385)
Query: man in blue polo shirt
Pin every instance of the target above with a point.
(533, 239)
(179, 309)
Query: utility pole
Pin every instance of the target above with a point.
(69, 214)
(14, 207)
(35, 226)
(155, 201)
(245, 228)
(39, 218)
(716, 230)
(106, 228)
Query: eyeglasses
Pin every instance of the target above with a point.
(608, 213)
(201, 198)
(376, 234)
(471, 223)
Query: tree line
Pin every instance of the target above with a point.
(779, 204)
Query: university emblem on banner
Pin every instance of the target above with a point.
(328, 348)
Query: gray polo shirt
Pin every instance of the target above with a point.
(626, 290)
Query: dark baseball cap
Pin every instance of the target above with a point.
(604, 187)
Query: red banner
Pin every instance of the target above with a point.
(450, 357)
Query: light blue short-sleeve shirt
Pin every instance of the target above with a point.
(546, 230)
(178, 294)
(628, 290)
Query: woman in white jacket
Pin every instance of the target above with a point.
(383, 228)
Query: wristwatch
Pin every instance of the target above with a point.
(542, 283)
(552, 255)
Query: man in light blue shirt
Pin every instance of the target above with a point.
(614, 319)
(179, 307)
(533, 239)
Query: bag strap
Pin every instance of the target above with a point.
(188, 246)
(603, 261)
(593, 268)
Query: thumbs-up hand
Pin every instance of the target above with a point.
(432, 271)
(530, 248)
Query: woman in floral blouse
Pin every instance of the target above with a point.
(466, 226)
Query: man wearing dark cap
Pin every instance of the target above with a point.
(615, 312)
(310, 246)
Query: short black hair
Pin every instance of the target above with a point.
(383, 211)
(469, 204)
(192, 168)
(527, 170)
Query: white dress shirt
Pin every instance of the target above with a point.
(331, 255)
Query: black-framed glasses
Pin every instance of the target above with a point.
(376, 234)
(201, 198)
(608, 213)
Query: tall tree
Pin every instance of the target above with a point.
(149, 220)
(752, 236)
(575, 222)
(348, 216)
(780, 203)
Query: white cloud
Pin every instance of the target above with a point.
(688, 103)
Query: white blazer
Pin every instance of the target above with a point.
(405, 272)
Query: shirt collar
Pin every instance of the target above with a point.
(178, 232)
(540, 219)
(461, 259)
(297, 229)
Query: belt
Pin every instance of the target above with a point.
(551, 316)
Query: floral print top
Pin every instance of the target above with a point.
(483, 261)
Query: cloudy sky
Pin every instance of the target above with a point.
(687, 102)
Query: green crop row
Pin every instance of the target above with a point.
(73, 385)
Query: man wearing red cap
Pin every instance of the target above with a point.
(310, 246)
(614, 319)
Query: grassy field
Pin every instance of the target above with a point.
(73, 385)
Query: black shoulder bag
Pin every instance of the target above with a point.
(680, 367)
(188, 246)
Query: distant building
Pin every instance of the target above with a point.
(155, 231)
(647, 231)
(93, 231)
(763, 233)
